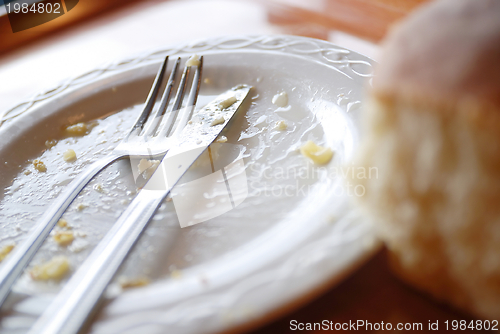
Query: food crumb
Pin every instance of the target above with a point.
(318, 154)
(64, 238)
(281, 126)
(127, 283)
(194, 60)
(78, 129)
(227, 102)
(218, 120)
(50, 143)
(27, 172)
(55, 269)
(62, 223)
(81, 206)
(99, 188)
(207, 81)
(221, 139)
(280, 99)
(69, 155)
(39, 165)
(5, 250)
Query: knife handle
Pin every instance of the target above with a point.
(74, 304)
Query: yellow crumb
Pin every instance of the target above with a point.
(318, 154)
(69, 155)
(55, 269)
(78, 129)
(221, 139)
(5, 250)
(27, 172)
(227, 102)
(64, 238)
(217, 121)
(194, 60)
(39, 165)
(62, 222)
(127, 283)
(81, 206)
(281, 126)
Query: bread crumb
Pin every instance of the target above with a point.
(318, 154)
(221, 139)
(5, 250)
(127, 283)
(98, 187)
(62, 223)
(227, 102)
(281, 126)
(39, 165)
(280, 99)
(69, 155)
(55, 269)
(64, 238)
(78, 129)
(27, 172)
(218, 120)
(194, 60)
(81, 206)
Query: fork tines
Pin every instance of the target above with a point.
(163, 121)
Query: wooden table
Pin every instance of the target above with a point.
(95, 33)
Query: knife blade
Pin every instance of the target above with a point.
(72, 307)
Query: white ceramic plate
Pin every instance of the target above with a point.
(293, 236)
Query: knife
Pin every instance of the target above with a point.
(71, 308)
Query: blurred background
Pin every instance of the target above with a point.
(94, 32)
(90, 33)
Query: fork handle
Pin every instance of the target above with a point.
(69, 311)
(15, 263)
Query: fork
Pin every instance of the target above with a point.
(149, 136)
(75, 304)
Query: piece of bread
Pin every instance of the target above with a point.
(432, 131)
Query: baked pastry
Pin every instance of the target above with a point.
(432, 131)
